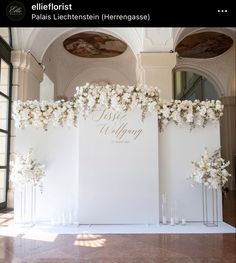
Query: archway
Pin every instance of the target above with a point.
(191, 84)
(181, 33)
(209, 61)
(101, 75)
(46, 36)
(68, 70)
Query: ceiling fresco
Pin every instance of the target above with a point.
(94, 45)
(204, 45)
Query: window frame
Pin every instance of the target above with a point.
(5, 54)
(187, 91)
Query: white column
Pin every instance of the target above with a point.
(155, 69)
(27, 75)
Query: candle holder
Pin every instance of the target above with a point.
(172, 216)
(163, 209)
(183, 221)
(176, 218)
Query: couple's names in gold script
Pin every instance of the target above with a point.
(116, 125)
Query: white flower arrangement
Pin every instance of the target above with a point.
(118, 98)
(41, 114)
(195, 113)
(26, 170)
(210, 170)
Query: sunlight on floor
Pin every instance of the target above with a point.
(6, 219)
(89, 240)
(9, 234)
(48, 237)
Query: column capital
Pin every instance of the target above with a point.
(27, 75)
(156, 69)
(25, 61)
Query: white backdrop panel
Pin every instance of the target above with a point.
(118, 169)
(121, 181)
(57, 148)
(178, 148)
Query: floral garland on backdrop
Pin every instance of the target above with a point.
(195, 113)
(89, 98)
(41, 114)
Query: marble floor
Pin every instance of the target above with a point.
(51, 247)
(115, 248)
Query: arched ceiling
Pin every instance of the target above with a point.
(179, 33)
(37, 40)
(67, 68)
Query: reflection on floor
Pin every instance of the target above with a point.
(129, 248)
(46, 247)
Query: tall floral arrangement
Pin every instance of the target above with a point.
(26, 170)
(210, 170)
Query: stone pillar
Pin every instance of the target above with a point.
(228, 138)
(156, 69)
(27, 75)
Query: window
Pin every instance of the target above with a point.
(5, 113)
(191, 86)
(5, 34)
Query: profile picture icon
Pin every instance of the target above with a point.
(15, 11)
